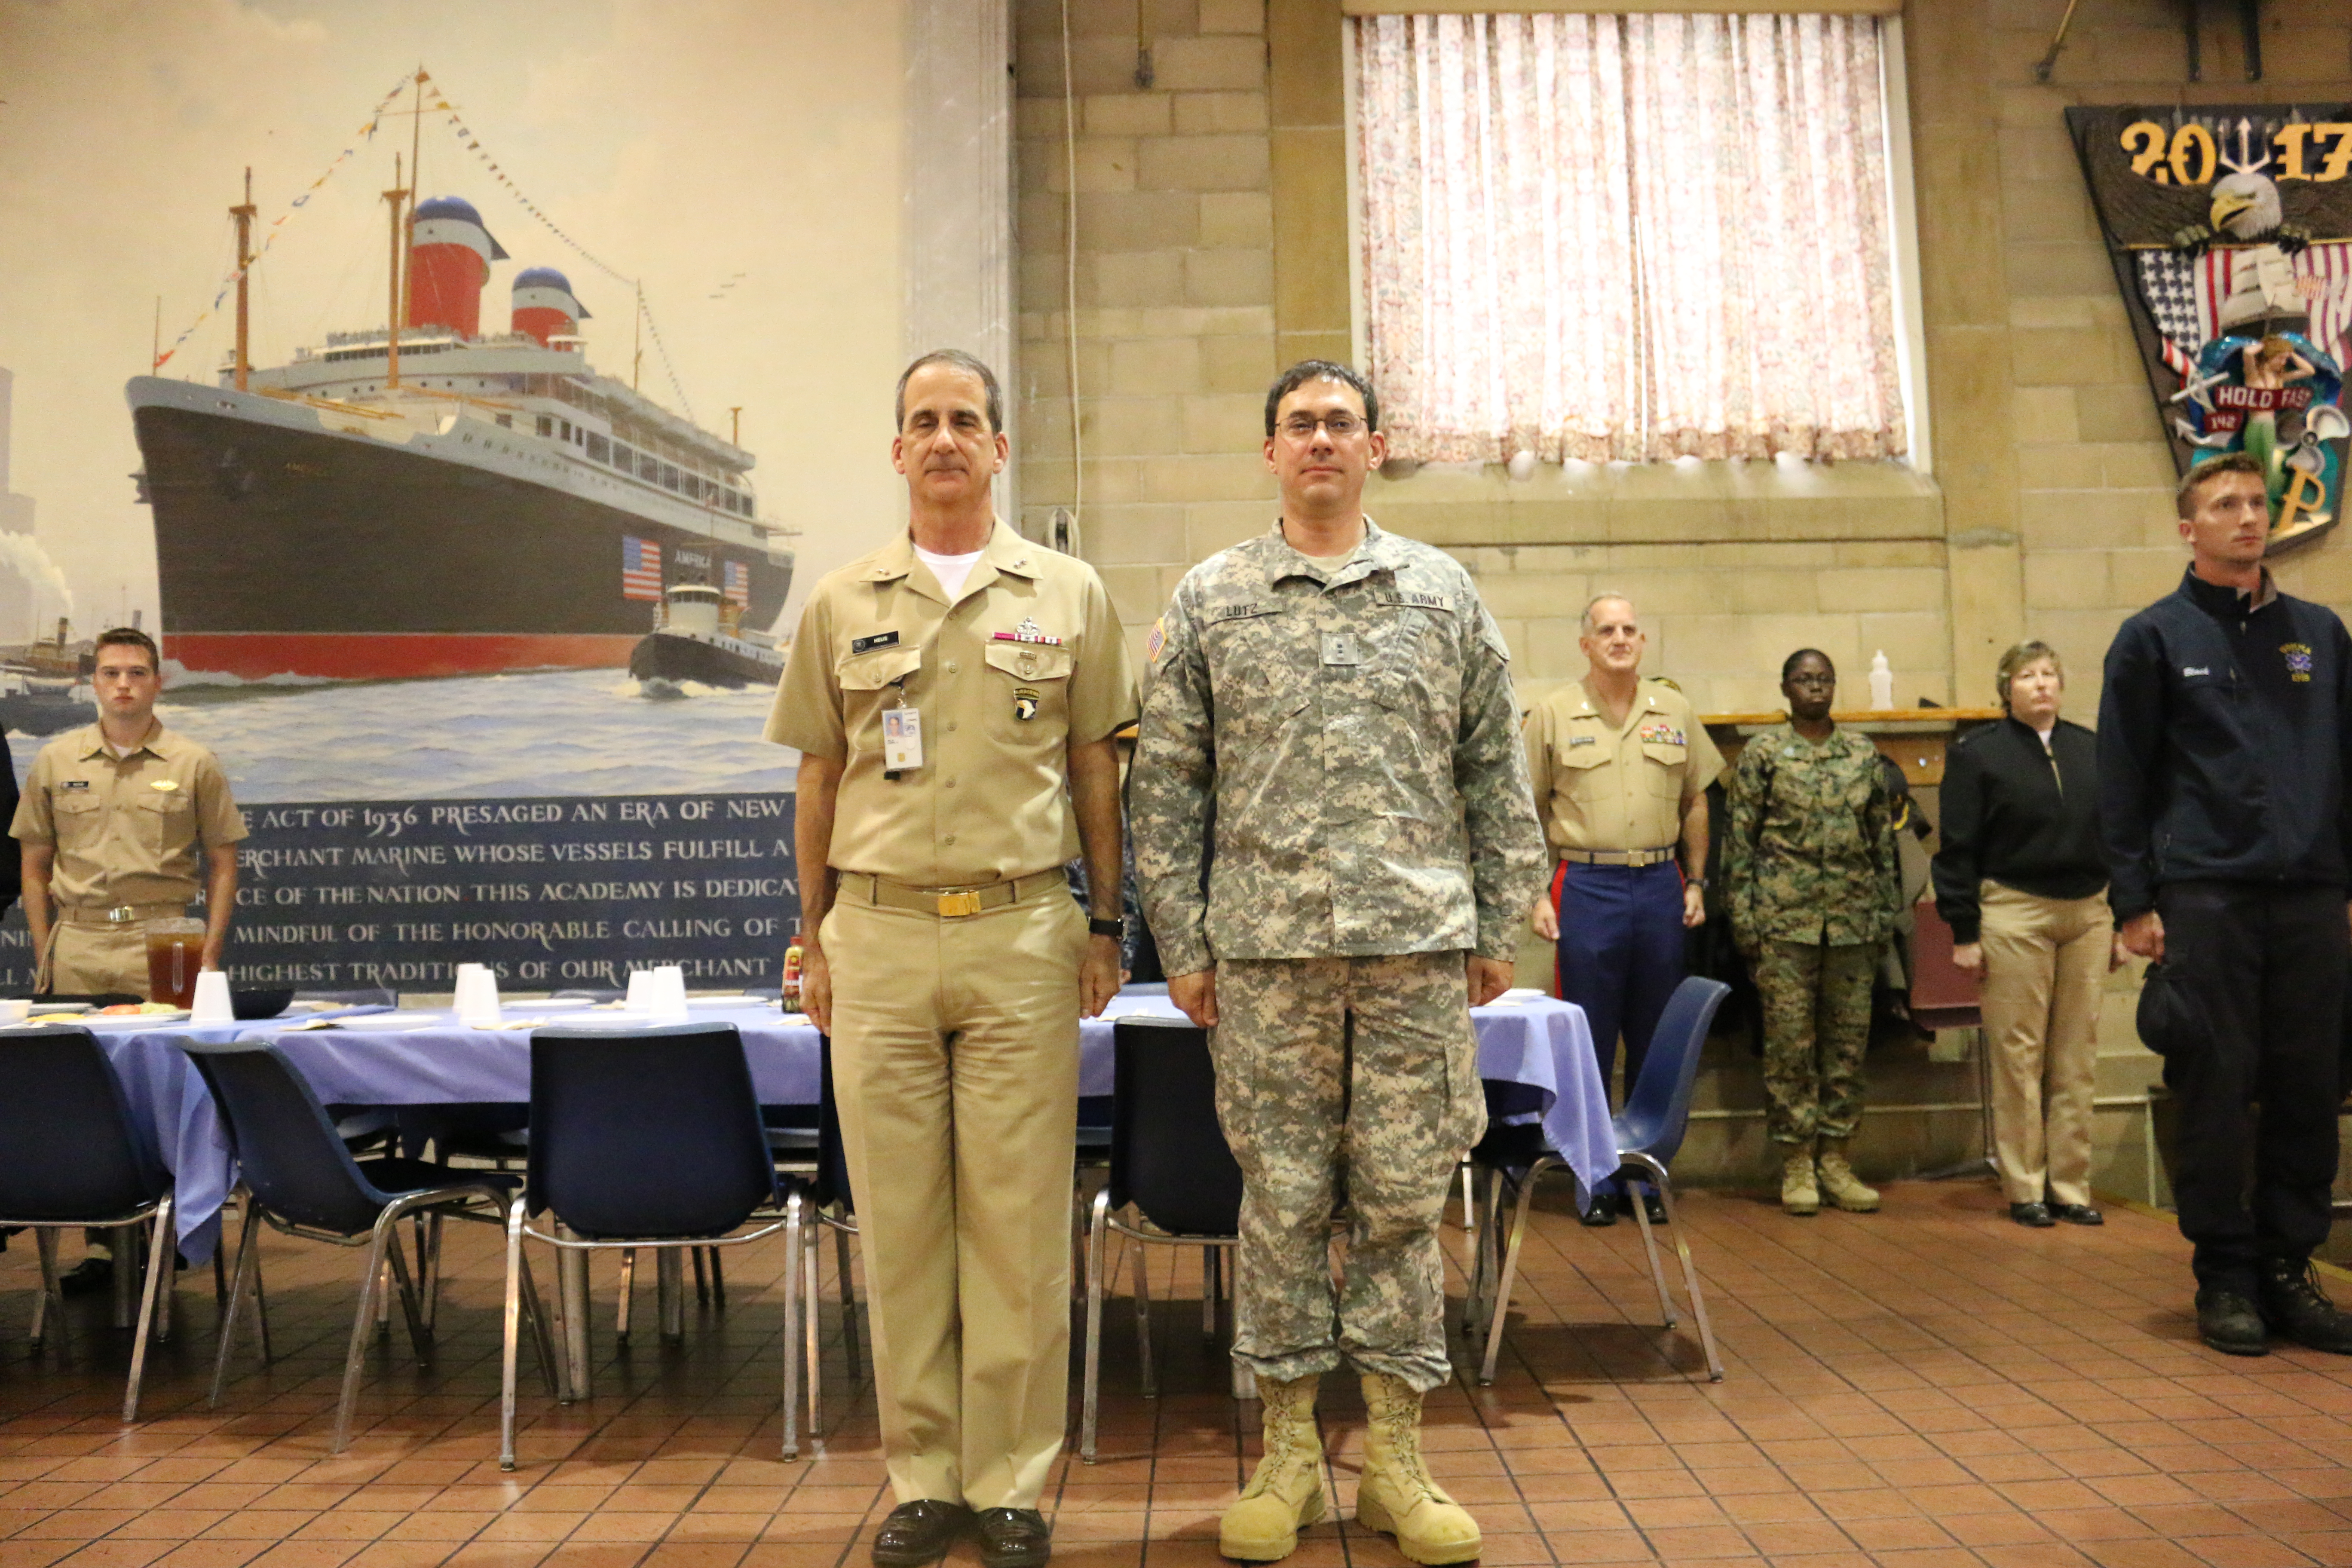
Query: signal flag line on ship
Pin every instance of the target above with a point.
(360, 138)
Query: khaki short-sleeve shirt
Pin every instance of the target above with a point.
(127, 830)
(1617, 786)
(1029, 658)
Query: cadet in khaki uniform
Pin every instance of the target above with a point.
(1620, 767)
(1813, 885)
(1336, 701)
(955, 697)
(115, 823)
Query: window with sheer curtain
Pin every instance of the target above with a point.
(1627, 237)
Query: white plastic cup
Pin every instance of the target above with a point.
(669, 994)
(477, 996)
(640, 998)
(12, 1013)
(212, 1000)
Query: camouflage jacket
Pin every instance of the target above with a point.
(1811, 855)
(1330, 763)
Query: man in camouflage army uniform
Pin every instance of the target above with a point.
(1336, 701)
(1813, 885)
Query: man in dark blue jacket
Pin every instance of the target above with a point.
(2225, 742)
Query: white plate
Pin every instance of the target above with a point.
(729, 1001)
(393, 1022)
(111, 1020)
(61, 1007)
(553, 1004)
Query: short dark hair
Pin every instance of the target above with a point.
(2184, 498)
(1789, 665)
(971, 365)
(2030, 651)
(1308, 370)
(129, 636)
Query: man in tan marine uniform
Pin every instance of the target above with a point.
(115, 820)
(955, 698)
(1620, 767)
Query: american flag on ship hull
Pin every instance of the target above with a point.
(2185, 294)
(641, 574)
(739, 584)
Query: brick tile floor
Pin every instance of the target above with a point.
(1929, 1387)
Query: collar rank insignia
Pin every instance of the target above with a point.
(1028, 631)
(2299, 660)
(1025, 702)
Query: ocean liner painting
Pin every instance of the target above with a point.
(433, 500)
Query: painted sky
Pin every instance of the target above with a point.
(741, 157)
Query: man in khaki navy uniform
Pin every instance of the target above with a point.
(1620, 767)
(955, 698)
(115, 821)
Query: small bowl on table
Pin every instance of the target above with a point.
(254, 1002)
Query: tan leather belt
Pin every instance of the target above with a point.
(119, 914)
(1618, 857)
(949, 903)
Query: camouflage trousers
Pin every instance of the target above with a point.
(1816, 1027)
(1352, 1079)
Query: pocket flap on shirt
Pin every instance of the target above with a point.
(1030, 661)
(872, 671)
(1586, 756)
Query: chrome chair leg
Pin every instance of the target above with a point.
(791, 1325)
(512, 1323)
(428, 1267)
(701, 1284)
(1469, 1197)
(1690, 1270)
(1096, 1240)
(159, 1283)
(383, 1296)
(717, 1277)
(420, 1338)
(52, 1298)
(670, 1292)
(810, 1326)
(1143, 1323)
(122, 1247)
(848, 1301)
(1502, 1306)
(240, 1278)
(373, 1310)
(1650, 1247)
(628, 1289)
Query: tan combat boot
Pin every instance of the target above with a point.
(1285, 1495)
(1840, 1185)
(1396, 1495)
(1797, 1194)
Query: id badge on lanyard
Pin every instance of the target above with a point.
(902, 737)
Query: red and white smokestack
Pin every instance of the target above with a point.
(544, 305)
(449, 262)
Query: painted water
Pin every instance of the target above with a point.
(564, 733)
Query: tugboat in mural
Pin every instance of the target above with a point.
(701, 637)
(45, 686)
(432, 498)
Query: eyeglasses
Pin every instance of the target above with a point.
(1302, 426)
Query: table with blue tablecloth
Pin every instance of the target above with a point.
(1525, 1039)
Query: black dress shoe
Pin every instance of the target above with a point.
(2034, 1214)
(918, 1532)
(2078, 1214)
(2229, 1322)
(2295, 1306)
(1601, 1211)
(1014, 1538)
(91, 1276)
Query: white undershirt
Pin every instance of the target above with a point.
(950, 570)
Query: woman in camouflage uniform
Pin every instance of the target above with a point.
(1813, 885)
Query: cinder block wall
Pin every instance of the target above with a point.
(1212, 246)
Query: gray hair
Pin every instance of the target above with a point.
(1585, 621)
(971, 365)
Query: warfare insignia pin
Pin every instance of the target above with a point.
(1025, 702)
(2299, 660)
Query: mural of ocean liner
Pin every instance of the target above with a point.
(429, 500)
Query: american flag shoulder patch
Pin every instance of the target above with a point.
(1157, 640)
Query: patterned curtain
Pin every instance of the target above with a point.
(1633, 237)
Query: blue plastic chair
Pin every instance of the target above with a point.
(70, 1155)
(1648, 1132)
(649, 1139)
(297, 1173)
(1171, 1175)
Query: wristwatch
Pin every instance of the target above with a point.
(1115, 928)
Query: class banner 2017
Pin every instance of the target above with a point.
(550, 892)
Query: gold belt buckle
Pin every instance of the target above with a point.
(962, 902)
(119, 914)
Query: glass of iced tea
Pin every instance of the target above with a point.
(175, 951)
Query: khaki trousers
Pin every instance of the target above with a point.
(955, 1061)
(85, 960)
(2045, 960)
